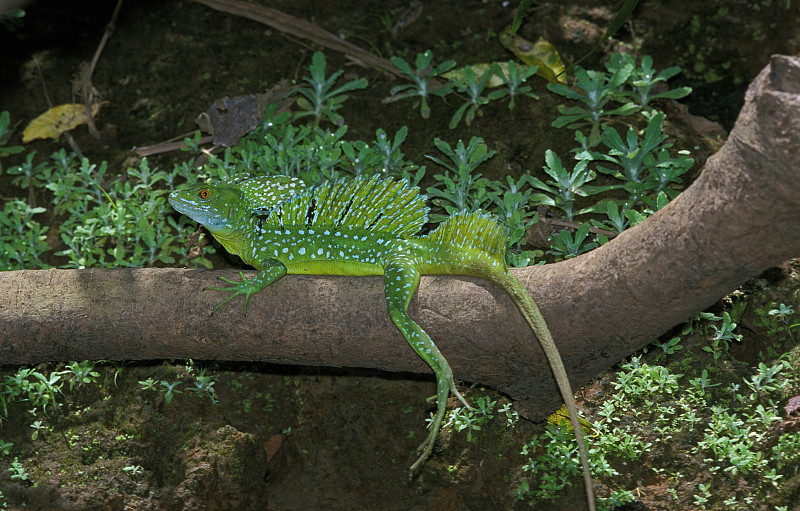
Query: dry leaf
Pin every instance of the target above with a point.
(478, 70)
(57, 120)
(542, 54)
(561, 416)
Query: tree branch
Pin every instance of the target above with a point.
(739, 218)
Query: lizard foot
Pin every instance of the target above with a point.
(244, 287)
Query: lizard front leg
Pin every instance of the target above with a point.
(401, 279)
(271, 271)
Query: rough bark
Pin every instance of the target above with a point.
(740, 217)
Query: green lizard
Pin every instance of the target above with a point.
(366, 227)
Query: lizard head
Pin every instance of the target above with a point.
(218, 208)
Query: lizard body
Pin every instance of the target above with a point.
(363, 227)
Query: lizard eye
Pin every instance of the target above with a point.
(204, 194)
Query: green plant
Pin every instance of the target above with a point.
(22, 239)
(513, 81)
(17, 470)
(782, 313)
(472, 420)
(149, 384)
(170, 390)
(511, 415)
(618, 219)
(387, 149)
(473, 87)
(566, 246)
(552, 463)
(670, 347)
(632, 158)
(28, 385)
(320, 99)
(423, 85)
(364, 159)
(702, 499)
(121, 223)
(5, 447)
(598, 89)
(37, 427)
(566, 186)
(512, 208)
(461, 189)
(723, 336)
(764, 380)
(133, 470)
(643, 78)
(646, 166)
(30, 175)
(6, 150)
(203, 383)
(81, 372)
(10, 20)
(637, 217)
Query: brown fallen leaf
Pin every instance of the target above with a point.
(229, 119)
(58, 120)
(272, 445)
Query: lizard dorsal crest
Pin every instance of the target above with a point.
(477, 231)
(376, 205)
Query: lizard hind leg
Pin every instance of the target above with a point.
(401, 278)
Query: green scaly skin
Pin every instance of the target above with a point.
(366, 227)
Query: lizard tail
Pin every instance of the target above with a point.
(476, 243)
(522, 299)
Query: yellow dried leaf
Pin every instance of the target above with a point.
(57, 120)
(542, 54)
(562, 417)
(478, 70)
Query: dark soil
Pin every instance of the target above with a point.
(287, 438)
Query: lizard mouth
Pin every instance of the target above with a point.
(197, 212)
(181, 205)
(203, 214)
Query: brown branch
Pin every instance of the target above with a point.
(739, 218)
(83, 83)
(301, 28)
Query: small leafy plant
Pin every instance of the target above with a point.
(565, 245)
(18, 470)
(22, 239)
(81, 373)
(566, 186)
(595, 90)
(321, 99)
(170, 390)
(513, 209)
(723, 336)
(645, 166)
(5, 149)
(473, 87)
(513, 81)
(782, 313)
(133, 470)
(422, 76)
(643, 78)
(632, 157)
(473, 420)
(460, 189)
